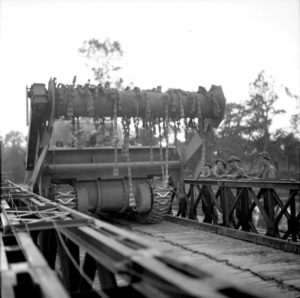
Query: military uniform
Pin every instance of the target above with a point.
(237, 172)
(207, 202)
(267, 171)
(217, 171)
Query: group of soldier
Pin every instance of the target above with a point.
(233, 169)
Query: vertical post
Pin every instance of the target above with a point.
(244, 212)
(207, 203)
(269, 206)
(107, 278)
(89, 268)
(48, 246)
(70, 274)
(293, 220)
(192, 203)
(224, 205)
(198, 199)
(183, 202)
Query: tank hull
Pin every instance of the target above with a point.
(90, 171)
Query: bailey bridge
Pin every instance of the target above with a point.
(51, 250)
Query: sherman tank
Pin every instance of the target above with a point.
(106, 170)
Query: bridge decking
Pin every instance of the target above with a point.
(246, 263)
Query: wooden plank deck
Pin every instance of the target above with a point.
(231, 259)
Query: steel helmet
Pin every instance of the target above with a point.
(233, 158)
(265, 154)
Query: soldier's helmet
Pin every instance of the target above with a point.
(233, 158)
(222, 161)
(208, 165)
(265, 155)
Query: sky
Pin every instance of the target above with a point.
(174, 44)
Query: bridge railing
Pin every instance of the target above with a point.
(235, 204)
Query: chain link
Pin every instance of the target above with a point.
(90, 103)
(160, 148)
(115, 133)
(181, 107)
(70, 108)
(73, 131)
(78, 134)
(126, 131)
(149, 126)
(166, 132)
(136, 119)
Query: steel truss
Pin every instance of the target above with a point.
(34, 230)
(236, 200)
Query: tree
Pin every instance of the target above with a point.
(13, 156)
(285, 146)
(260, 109)
(103, 58)
(14, 139)
(233, 120)
(245, 129)
(231, 138)
(295, 124)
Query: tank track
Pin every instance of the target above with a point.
(161, 194)
(161, 201)
(64, 194)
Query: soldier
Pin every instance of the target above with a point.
(59, 143)
(219, 169)
(267, 170)
(207, 202)
(206, 171)
(234, 169)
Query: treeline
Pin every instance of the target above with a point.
(13, 151)
(245, 130)
(235, 137)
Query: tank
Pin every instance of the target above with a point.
(84, 150)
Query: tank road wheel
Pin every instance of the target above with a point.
(161, 202)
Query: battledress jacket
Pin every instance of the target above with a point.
(267, 171)
(236, 173)
(218, 172)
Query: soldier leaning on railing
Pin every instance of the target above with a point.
(207, 202)
(267, 170)
(235, 171)
(219, 169)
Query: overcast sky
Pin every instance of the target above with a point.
(176, 44)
